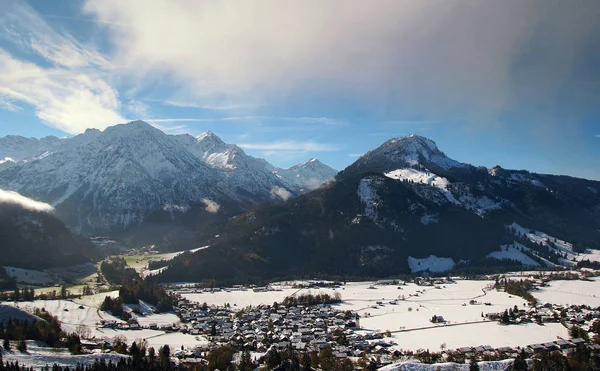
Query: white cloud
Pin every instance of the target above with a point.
(67, 100)
(8, 104)
(72, 94)
(10, 197)
(446, 59)
(355, 154)
(224, 107)
(291, 145)
(178, 208)
(306, 120)
(211, 206)
(281, 193)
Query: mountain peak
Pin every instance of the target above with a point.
(403, 152)
(133, 127)
(209, 137)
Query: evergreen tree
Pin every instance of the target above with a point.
(306, 362)
(473, 366)
(164, 356)
(151, 354)
(22, 346)
(6, 343)
(520, 363)
(245, 362)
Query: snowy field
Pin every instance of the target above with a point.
(85, 319)
(570, 292)
(39, 357)
(412, 366)
(409, 318)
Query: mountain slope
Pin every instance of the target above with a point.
(404, 199)
(36, 239)
(107, 182)
(306, 176)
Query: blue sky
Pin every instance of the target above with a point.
(511, 83)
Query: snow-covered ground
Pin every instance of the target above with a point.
(409, 318)
(413, 366)
(514, 252)
(31, 277)
(69, 313)
(563, 248)
(570, 292)
(424, 177)
(432, 263)
(39, 356)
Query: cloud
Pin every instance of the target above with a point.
(437, 60)
(225, 107)
(281, 193)
(291, 145)
(211, 206)
(14, 198)
(179, 208)
(72, 94)
(597, 135)
(8, 104)
(355, 154)
(175, 129)
(307, 120)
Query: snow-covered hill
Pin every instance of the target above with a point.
(101, 182)
(405, 206)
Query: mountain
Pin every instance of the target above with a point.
(406, 207)
(35, 239)
(16, 148)
(106, 182)
(306, 176)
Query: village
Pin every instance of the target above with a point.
(388, 320)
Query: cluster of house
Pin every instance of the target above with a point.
(563, 345)
(303, 328)
(580, 315)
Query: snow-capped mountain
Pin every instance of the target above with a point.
(16, 148)
(404, 152)
(108, 181)
(306, 176)
(405, 207)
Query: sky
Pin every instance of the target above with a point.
(514, 83)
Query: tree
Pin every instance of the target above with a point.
(22, 346)
(63, 292)
(505, 317)
(245, 362)
(6, 343)
(273, 359)
(164, 356)
(305, 362)
(327, 359)
(473, 365)
(151, 354)
(520, 363)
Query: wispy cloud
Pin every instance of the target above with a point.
(355, 154)
(409, 122)
(292, 145)
(175, 129)
(10, 197)
(8, 104)
(307, 120)
(225, 107)
(71, 95)
(597, 135)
